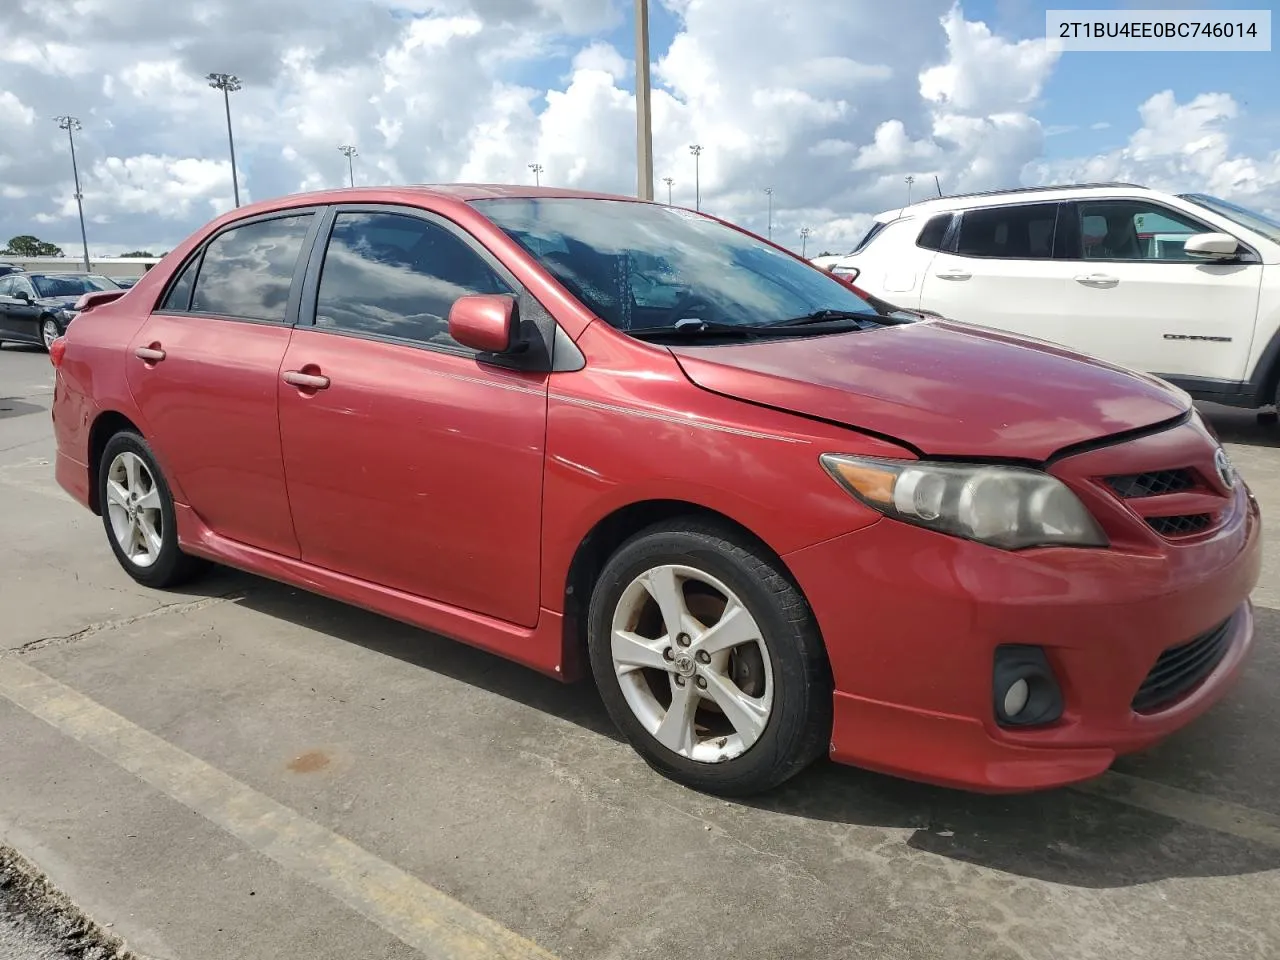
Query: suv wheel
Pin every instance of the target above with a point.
(709, 660)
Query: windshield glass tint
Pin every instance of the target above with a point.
(1269, 227)
(63, 286)
(640, 265)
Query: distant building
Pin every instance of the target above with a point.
(105, 266)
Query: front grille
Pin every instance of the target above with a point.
(1152, 484)
(1180, 669)
(1182, 526)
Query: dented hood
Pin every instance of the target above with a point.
(946, 388)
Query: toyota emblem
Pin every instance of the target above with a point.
(1226, 472)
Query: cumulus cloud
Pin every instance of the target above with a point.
(830, 105)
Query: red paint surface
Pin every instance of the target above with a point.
(454, 495)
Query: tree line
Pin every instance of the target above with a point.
(29, 246)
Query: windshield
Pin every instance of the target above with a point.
(643, 266)
(70, 286)
(1269, 227)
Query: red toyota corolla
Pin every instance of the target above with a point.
(590, 433)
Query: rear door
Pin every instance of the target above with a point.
(413, 462)
(997, 269)
(204, 368)
(1133, 296)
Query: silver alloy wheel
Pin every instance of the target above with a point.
(684, 648)
(133, 506)
(48, 333)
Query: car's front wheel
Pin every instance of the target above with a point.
(49, 332)
(137, 511)
(709, 659)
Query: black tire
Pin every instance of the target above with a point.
(44, 324)
(798, 730)
(171, 566)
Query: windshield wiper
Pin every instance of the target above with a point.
(826, 316)
(688, 329)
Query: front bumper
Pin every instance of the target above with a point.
(912, 619)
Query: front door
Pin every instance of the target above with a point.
(203, 370)
(1136, 298)
(411, 464)
(19, 316)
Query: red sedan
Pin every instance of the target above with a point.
(598, 435)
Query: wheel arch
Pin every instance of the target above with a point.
(105, 426)
(600, 543)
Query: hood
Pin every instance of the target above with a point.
(59, 301)
(946, 388)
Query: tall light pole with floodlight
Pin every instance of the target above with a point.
(804, 240)
(909, 181)
(696, 150)
(228, 83)
(537, 169)
(768, 192)
(71, 124)
(668, 181)
(644, 114)
(349, 151)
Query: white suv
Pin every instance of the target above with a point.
(1186, 287)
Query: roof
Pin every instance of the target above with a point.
(452, 191)
(987, 198)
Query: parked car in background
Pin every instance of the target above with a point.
(125, 282)
(7, 268)
(1186, 287)
(38, 307)
(594, 434)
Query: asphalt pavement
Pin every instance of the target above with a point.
(240, 769)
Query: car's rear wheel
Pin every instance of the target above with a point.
(709, 659)
(49, 332)
(137, 511)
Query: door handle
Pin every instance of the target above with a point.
(1100, 280)
(953, 275)
(306, 381)
(151, 354)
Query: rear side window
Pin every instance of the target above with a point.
(934, 232)
(247, 271)
(869, 236)
(1022, 232)
(179, 295)
(397, 276)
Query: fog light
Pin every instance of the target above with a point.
(1024, 689)
(1016, 698)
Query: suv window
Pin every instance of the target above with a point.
(247, 271)
(397, 276)
(869, 235)
(1021, 232)
(1133, 230)
(934, 232)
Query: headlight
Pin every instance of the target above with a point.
(1006, 507)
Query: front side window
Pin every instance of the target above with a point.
(64, 286)
(642, 266)
(1021, 232)
(6, 286)
(398, 276)
(247, 271)
(1133, 230)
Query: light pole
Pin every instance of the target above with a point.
(668, 181)
(769, 193)
(537, 173)
(228, 83)
(349, 151)
(696, 150)
(804, 239)
(71, 124)
(910, 181)
(644, 116)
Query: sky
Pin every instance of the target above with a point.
(831, 104)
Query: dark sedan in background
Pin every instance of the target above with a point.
(36, 307)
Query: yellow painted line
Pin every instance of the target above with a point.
(1194, 808)
(416, 913)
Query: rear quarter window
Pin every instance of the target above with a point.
(934, 233)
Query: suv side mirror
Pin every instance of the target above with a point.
(22, 295)
(485, 322)
(1212, 246)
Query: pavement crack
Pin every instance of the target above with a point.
(165, 609)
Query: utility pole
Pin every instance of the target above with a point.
(228, 83)
(696, 150)
(769, 193)
(804, 239)
(644, 115)
(348, 150)
(910, 181)
(71, 124)
(668, 181)
(537, 173)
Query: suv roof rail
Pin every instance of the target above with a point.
(1040, 189)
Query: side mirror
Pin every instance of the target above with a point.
(1212, 246)
(485, 322)
(23, 295)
